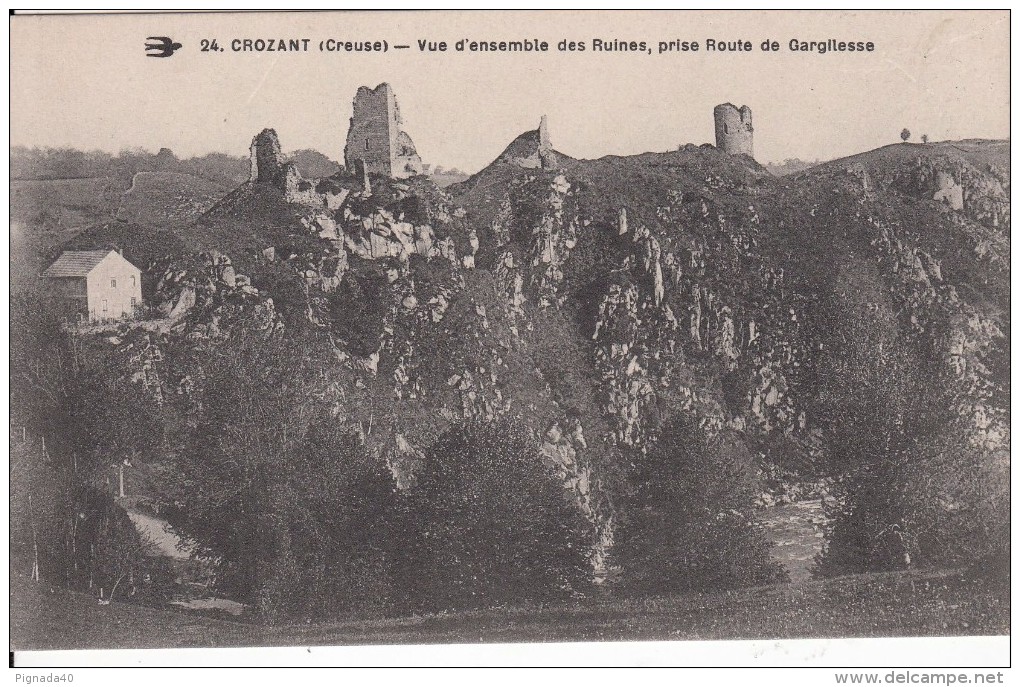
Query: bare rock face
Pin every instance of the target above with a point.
(267, 161)
(185, 302)
(948, 191)
(977, 192)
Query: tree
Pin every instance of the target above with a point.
(165, 160)
(349, 545)
(932, 499)
(924, 138)
(688, 522)
(270, 484)
(913, 488)
(109, 419)
(492, 523)
(874, 407)
(82, 416)
(905, 135)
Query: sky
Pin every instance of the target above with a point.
(85, 82)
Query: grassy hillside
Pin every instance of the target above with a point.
(945, 604)
(168, 198)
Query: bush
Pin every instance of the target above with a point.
(687, 522)
(919, 487)
(942, 504)
(348, 550)
(493, 525)
(293, 506)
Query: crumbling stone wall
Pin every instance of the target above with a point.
(269, 166)
(406, 162)
(374, 135)
(734, 133)
(532, 149)
(267, 162)
(298, 190)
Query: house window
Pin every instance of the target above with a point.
(105, 306)
(113, 283)
(132, 301)
(132, 281)
(366, 144)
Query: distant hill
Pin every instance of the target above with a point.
(59, 194)
(168, 198)
(313, 165)
(444, 178)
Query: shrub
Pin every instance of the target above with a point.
(944, 503)
(493, 525)
(687, 522)
(274, 487)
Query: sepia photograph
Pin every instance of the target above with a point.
(573, 328)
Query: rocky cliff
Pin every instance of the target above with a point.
(598, 298)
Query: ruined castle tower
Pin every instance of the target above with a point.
(267, 162)
(375, 137)
(734, 133)
(269, 167)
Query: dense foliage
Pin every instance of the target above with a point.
(915, 489)
(492, 524)
(298, 512)
(75, 423)
(689, 522)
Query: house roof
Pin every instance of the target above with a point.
(76, 263)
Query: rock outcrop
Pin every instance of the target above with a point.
(948, 191)
(599, 299)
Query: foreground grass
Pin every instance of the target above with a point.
(877, 605)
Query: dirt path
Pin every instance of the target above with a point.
(164, 541)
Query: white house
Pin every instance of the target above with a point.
(97, 284)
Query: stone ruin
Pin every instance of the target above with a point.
(546, 155)
(734, 133)
(375, 137)
(269, 166)
(532, 149)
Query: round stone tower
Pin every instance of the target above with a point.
(734, 133)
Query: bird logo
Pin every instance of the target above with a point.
(161, 46)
